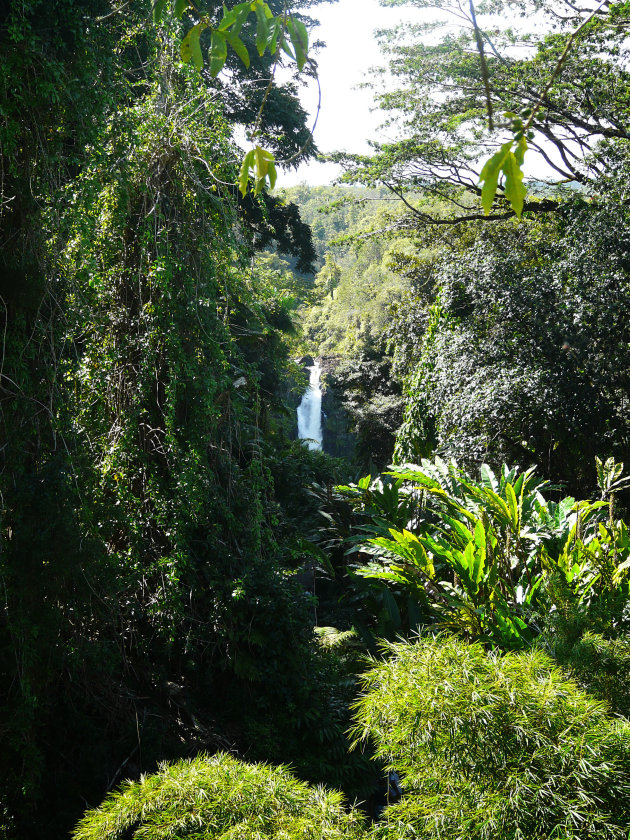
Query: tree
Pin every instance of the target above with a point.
(525, 356)
(139, 375)
(440, 104)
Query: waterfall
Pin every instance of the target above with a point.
(309, 413)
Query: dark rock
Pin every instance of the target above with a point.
(305, 361)
(338, 438)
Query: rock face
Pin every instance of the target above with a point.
(338, 438)
(305, 361)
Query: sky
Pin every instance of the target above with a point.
(346, 121)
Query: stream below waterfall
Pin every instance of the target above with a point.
(309, 412)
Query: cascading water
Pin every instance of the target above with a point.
(309, 413)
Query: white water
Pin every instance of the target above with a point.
(309, 413)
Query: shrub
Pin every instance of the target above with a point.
(220, 797)
(494, 746)
(600, 665)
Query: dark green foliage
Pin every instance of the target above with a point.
(494, 746)
(143, 586)
(371, 398)
(271, 220)
(600, 665)
(524, 356)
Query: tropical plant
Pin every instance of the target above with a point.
(220, 797)
(493, 746)
(490, 557)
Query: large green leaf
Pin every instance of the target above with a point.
(238, 46)
(180, 7)
(158, 10)
(218, 52)
(490, 176)
(515, 191)
(190, 48)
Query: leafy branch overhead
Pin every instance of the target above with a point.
(561, 82)
(273, 33)
(509, 159)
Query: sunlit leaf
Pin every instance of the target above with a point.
(190, 47)
(490, 176)
(218, 52)
(243, 179)
(515, 190)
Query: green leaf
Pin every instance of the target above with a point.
(190, 47)
(262, 30)
(512, 505)
(299, 39)
(180, 8)
(515, 190)
(158, 10)
(235, 18)
(246, 165)
(286, 47)
(391, 608)
(519, 152)
(275, 31)
(217, 53)
(238, 46)
(490, 176)
(272, 174)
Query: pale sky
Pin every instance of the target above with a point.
(345, 121)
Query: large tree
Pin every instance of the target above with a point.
(516, 345)
(456, 77)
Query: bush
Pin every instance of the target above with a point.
(600, 665)
(220, 797)
(494, 746)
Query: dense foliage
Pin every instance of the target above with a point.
(167, 551)
(514, 346)
(494, 746)
(220, 797)
(141, 378)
